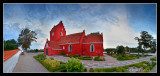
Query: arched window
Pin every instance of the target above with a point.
(61, 34)
(92, 48)
(52, 33)
(63, 47)
(47, 45)
(70, 48)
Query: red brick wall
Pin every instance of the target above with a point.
(98, 49)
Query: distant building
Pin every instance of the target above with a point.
(77, 43)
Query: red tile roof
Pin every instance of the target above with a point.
(92, 38)
(72, 38)
(54, 45)
(9, 54)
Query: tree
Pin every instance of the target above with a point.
(120, 50)
(144, 41)
(10, 44)
(25, 38)
(127, 49)
(153, 45)
(94, 33)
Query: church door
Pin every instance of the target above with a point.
(46, 51)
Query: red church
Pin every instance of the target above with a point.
(74, 44)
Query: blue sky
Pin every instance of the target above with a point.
(120, 23)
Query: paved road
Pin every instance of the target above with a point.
(27, 63)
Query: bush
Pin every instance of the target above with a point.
(70, 55)
(86, 58)
(62, 53)
(54, 63)
(41, 56)
(47, 60)
(74, 65)
(153, 59)
(99, 59)
(77, 55)
(91, 70)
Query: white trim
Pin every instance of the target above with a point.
(93, 42)
(70, 43)
(69, 48)
(56, 49)
(90, 48)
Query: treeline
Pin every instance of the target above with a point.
(35, 50)
(129, 49)
(10, 44)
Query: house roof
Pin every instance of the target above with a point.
(54, 45)
(72, 38)
(92, 38)
(9, 54)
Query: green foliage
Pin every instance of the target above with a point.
(60, 68)
(47, 60)
(99, 59)
(54, 63)
(78, 55)
(10, 44)
(35, 50)
(25, 38)
(41, 56)
(153, 59)
(94, 33)
(62, 53)
(74, 65)
(120, 50)
(91, 70)
(85, 58)
(145, 40)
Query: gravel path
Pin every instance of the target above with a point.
(154, 70)
(110, 61)
(27, 63)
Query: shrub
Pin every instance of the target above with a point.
(77, 55)
(47, 60)
(54, 63)
(153, 59)
(41, 56)
(62, 53)
(86, 58)
(91, 70)
(74, 65)
(70, 55)
(99, 59)
(85, 70)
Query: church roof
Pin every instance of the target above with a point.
(54, 45)
(92, 38)
(72, 38)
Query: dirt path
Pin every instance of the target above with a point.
(27, 63)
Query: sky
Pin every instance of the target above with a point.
(119, 23)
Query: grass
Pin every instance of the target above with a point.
(127, 56)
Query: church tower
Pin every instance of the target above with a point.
(57, 32)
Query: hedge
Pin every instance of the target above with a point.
(47, 66)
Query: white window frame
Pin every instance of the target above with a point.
(91, 48)
(69, 48)
(47, 45)
(63, 47)
(61, 34)
(52, 33)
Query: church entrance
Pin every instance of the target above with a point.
(46, 51)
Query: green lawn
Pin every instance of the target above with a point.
(127, 56)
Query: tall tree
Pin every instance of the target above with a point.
(120, 50)
(10, 44)
(127, 49)
(153, 45)
(144, 40)
(25, 38)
